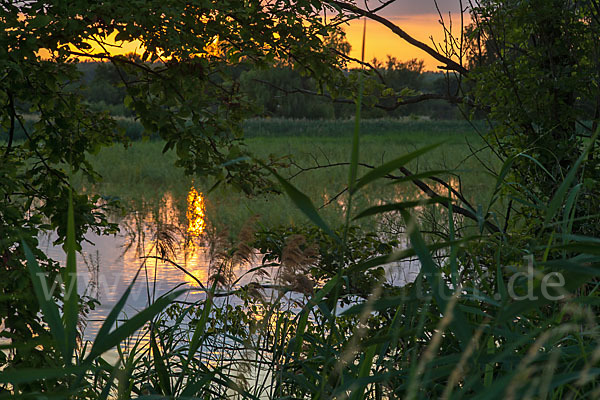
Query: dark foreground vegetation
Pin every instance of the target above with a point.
(506, 301)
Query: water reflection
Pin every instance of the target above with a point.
(196, 211)
(174, 245)
(164, 243)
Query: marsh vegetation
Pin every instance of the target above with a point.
(381, 250)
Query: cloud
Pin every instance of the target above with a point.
(405, 8)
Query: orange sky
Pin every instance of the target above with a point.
(380, 41)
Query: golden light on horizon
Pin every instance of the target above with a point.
(381, 41)
(109, 46)
(195, 214)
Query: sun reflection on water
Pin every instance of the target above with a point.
(195, 213)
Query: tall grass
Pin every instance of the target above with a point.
(141, 175)
(479, 322)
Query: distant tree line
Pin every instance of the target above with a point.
(281, 91)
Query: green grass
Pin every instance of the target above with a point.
(423, 340)
(141, 175)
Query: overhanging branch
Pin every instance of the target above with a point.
(449, 64)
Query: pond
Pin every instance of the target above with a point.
(168, 248)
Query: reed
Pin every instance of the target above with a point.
(478, 321)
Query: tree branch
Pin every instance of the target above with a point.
(363, 63)
(449, 64)
(40, 157)
(399, 101)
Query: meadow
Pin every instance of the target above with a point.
(140, 174)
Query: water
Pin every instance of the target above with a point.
(107, 265)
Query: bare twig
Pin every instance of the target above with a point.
(425, 188)
(399, 101)
(449, 64)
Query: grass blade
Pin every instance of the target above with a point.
(358, 393)
(71, 298)
(305, 205)
(26, 375)
(390, 166)
(453, 249)
(500, 180)
(561, 192)
(47, 304)
(104, 343)
(355, 138)
(110, 320)
(159, 364)
(441, 292)
(420, 175)
(201, 325)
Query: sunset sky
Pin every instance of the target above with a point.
(418, 18)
